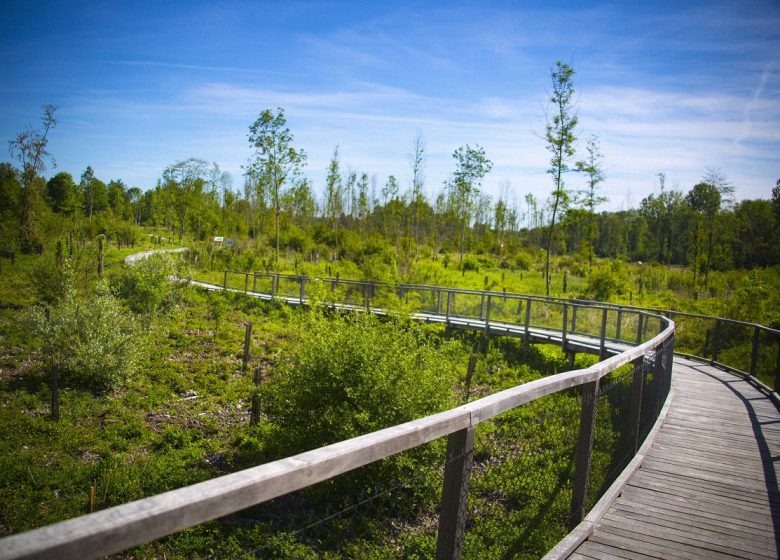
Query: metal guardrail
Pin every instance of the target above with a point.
(617, 335)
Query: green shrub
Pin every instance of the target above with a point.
(96, 342)
(606, 281)
(523, 261)
(351, 375)
(148, 286)
(470, 263)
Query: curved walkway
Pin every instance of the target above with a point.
(708, 487)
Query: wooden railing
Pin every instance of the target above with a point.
(748, 349)
(618, 335)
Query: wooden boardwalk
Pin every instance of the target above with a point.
(708, 488)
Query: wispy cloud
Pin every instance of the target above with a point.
(200, 67)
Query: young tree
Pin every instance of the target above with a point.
(560, 143)
(705, 201)
(275, 159)
(588, 197)
(471, 167)
(417, 163)
(63, 193)
(29, 148)
(334, 194)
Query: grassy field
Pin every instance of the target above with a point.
(184, 416)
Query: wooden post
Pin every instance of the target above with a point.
(526, 338)
(246, 282)
(572, 357)
(754, 351)
(716, 341)
(247, 342)
(457, 472)
(449, 305)
(603, 347)
(303, 289)
(224, 284)
(487, 316)
(573, 318)
(254, 281)
(563, 327)
(254, 416)
(274, 284)
(482, 307)
(637, 386)
(579, 495)
(777, 368)
(438, 303)
(639, 328)
(619, 323)
(469, 374)
(658, 378)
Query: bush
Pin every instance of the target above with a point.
(470, 263)
(523, 261)
(96, 342)
(604, 282)
(148, 287)
(350, 375)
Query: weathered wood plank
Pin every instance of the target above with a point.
(704, 489)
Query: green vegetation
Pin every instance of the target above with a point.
(145, 372)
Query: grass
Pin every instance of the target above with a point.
(184, 417)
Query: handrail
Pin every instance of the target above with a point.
(710, 346)
(115, 529)
(573, 301)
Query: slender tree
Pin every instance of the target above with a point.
(470, 168)
(275, 159)
(29, 148)
(589, 197)
(417, 163)
(561, 122)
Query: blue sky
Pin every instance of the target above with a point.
(673, 87)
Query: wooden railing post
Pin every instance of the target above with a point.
(274, 284)
(777, 368)
(619, 324)
(457, 472)
(246, 282)
(603, 346)
(527, 326)
(247, 344)
(303, 289)
(640, 328)
(449, 305)
(224, 284)
(487, 315)
(563, 327)
(482, 307)
(716, 341)
(579, 495)
(754, 351)
(658, 378)
(438, 302)
(573, 319)
(637, 387)
(254, 282)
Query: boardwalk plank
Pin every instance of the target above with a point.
(708, 488)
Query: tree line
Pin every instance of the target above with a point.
(277, 210)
